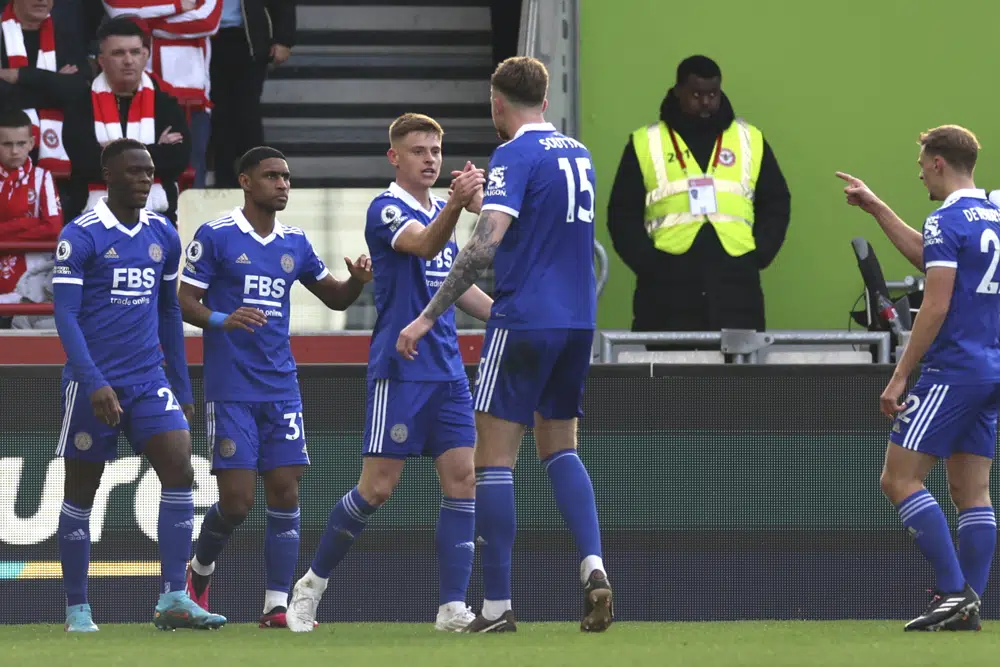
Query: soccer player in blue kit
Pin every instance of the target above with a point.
(413, 409)
(115, 289)
(951, 411)
(236, 285)
(536, 226)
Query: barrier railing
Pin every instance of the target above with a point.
(745, 345)
(11, 309)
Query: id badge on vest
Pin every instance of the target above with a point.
(701, 196)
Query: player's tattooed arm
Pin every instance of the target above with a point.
(473, 259)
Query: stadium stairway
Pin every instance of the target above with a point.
(360, 63)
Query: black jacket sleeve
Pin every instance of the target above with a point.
(170, 159)
(626, 208)
(283, 21)
(772, 209)
(51, 90)
(81, 144)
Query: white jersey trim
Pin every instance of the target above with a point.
(503, 209)
(400, 231)
(192, 281)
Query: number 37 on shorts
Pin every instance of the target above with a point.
(942, 420)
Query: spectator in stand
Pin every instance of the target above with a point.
(180, 58)
(29, 211)
(43, 65)
(123, 102)
(253, 33)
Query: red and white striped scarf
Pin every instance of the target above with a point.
(47, 124)
(181, 48)
(141, 126)
(15, 185)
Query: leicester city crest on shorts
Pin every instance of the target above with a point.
(287, 263)
(155, 252)
(399, 433)
(64, 250)
(83, 441)
(227, 448)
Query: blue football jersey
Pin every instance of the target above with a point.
(120, 271)
(964, 234)
(544, 266)
(236, 267)
(404, 285)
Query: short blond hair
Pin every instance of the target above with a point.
(413, 122)
(956, 145)
(522, 80)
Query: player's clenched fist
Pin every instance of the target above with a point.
(245, 318)
(106, 406)
(859, 194)
(360, 269)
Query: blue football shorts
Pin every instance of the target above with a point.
(408, 419)
(257, 436)
(942, 419)
(148, 409)
(524, 371)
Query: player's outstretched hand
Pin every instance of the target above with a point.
(188, 409)
(360, 269)
(245, 318)
(859, 194)
(406, 344)
(106, 406)
(889, 400)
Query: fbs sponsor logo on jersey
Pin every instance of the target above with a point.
(932, 230)
(262, 291)
(496, 186)
(132, 286)
(129, 480)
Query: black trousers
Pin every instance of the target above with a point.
(237, 84)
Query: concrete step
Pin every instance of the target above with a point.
(393, 18)
(409, 92)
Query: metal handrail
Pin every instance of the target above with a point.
(609, 339)
(603, 268)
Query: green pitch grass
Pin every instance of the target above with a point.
(795, 644)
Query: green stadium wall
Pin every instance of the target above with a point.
(834, 86)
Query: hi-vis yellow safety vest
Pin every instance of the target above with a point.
(734, 166)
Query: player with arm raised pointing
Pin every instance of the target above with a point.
(422, 409)
(951, 412)
(536, 227)
(236, 286)
(115, 288)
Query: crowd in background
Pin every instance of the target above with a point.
(184, 77)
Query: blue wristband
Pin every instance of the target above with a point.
(215, 320)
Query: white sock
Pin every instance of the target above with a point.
(274, 599)
(494, 609)
(451, 608)
(589, 565)
(203, 570)
(314, 580)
